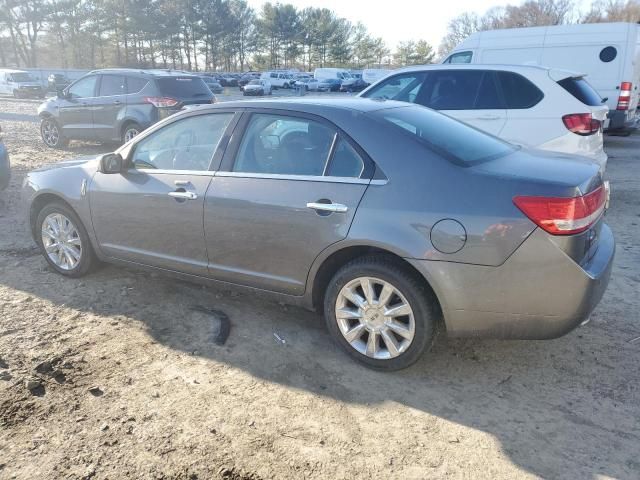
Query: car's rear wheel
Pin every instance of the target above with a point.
(51, 134)
(64, 241)
(130, 131)
(380, 314)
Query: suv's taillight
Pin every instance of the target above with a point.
(564, 216)
(581, 123)
(625, 96)
(161, 101)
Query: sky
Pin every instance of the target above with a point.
(400, 20)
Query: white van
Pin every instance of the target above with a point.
(372, 75)
(608, 53)
(20, 84)
(334, 73)
(279, 78)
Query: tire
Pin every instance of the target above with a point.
(78, 241)
(51, 134)
(408, 289)
(129, 131)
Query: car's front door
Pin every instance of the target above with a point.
(76, 109)
(152, 213)
(288, 188)
(109, 107)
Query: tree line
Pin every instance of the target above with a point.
(196, 35)
(229, 35)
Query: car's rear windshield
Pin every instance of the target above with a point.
(456, 141)
(183, 87)
(580, 89)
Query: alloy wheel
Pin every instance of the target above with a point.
(130, 133)
(375, 318)
(61, 241)
(50, 133)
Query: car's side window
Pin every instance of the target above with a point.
(135, 84)
(111, 85)
(402, 87)
(488, 96)
(519, 93)
(452, 89)
(187, 144)
(345, 162)
(278, 144)
(84, 88)
(462, 57)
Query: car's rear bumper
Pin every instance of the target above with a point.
(538, 293)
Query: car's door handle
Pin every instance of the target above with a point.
(489, 117)
(184, 195)
(117, 102)
(328, 207)
(182, 183)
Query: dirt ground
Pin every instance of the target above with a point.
(132, 385)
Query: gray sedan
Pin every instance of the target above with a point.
(392, 219)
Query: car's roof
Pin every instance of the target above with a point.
(312, 105)
(475, 66)
(150, 72)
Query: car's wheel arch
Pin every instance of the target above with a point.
(332, 259)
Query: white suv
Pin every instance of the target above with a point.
(528, 105)
(278, 79)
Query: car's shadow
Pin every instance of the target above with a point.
(551, 405)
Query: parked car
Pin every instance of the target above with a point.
(257, 87)
(20, 84)
(5, 165)
(213, 85)
(528, 105)
(309, 84)
(278, 79)
(228, 80)
(115, 105)
(333, 83)
(388, 217)
(343, 76)
(606, 52)
(246, 78)
(354, 85)
(57, 82)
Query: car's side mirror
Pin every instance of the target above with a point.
(111, 163)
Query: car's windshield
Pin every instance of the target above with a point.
(21, 77)
(454, 140)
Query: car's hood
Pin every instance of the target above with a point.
(87, 162)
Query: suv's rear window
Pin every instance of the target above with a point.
(580, 89)
(183, 87)
(454, 140)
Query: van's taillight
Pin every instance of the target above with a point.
(161, 101)
(564, 216)
(625, 96)
(581, 123)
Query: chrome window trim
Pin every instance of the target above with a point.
(200, 173)
(302, 178)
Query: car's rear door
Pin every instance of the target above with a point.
(288, 188)
(109, 106)
(152, 212)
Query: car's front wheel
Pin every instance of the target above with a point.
(380, 313)
(51, 134)
(64, 241)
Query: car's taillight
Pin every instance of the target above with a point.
(564, 216)
(625, 96)
(581, 124)
(161, 101)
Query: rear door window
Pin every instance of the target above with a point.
(519, 93)
(183, 87)
(111, 85)
(488, 96)
(580, 89)
(452, 89)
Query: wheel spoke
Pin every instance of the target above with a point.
(347, 313)
(398, 310)
(49, 234)
(400, 329)
(75, 241)
(355, 333)
(385, 294)
(367, 288)
(354, 298)
(53, 225)
(52, 248)
(390, 342)
(70, 260)
(372, 344)
(73, 252)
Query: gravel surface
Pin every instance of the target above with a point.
(116, 375)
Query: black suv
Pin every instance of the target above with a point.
(115, 105)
